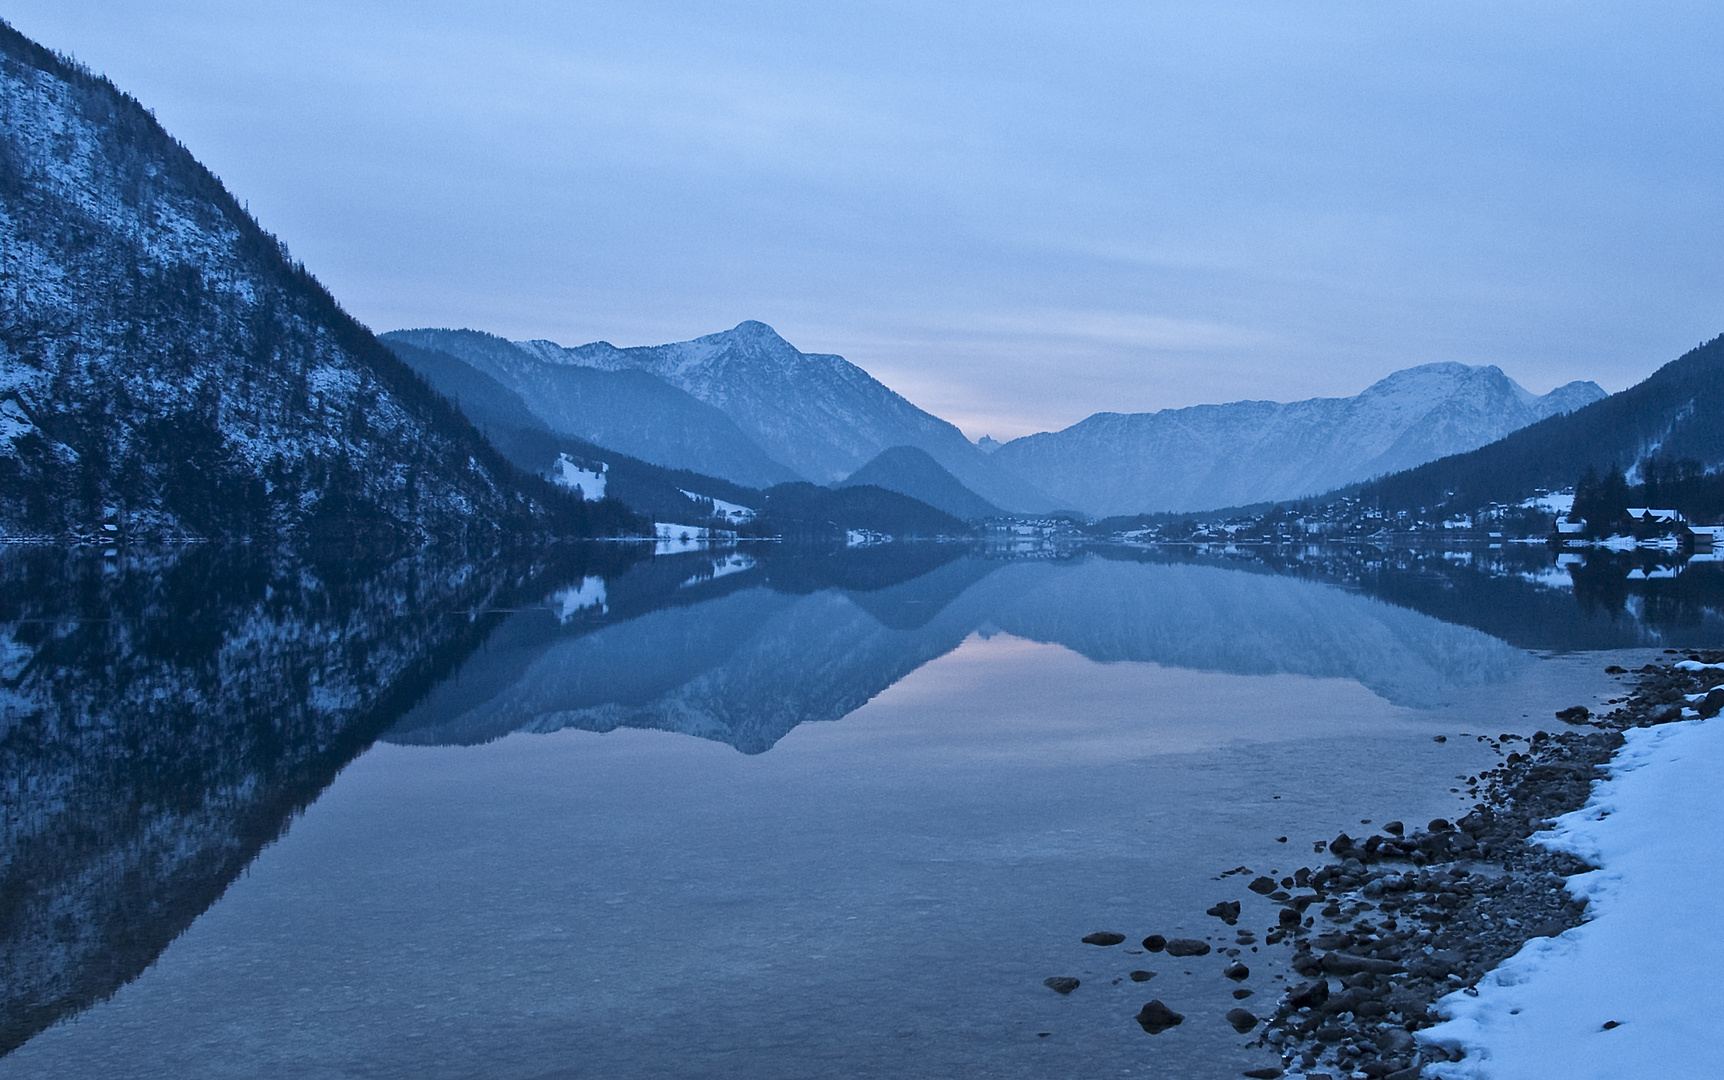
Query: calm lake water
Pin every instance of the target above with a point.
(732, 813)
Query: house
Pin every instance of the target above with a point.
(1708, 537)
(1648, 516)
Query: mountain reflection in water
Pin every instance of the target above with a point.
(760, 654)
(163, 716)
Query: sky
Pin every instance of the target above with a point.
(1014, 214)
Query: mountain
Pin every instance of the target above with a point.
(796, 509)
(630, 411)
(1674, 414)
(911, 471)
(167, 369)
(661, 493)
(804, 511)
(1210, 456)
(818, 414)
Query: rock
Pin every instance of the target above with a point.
(1155, 943)
(1439, 825)
(1289, 917)
(1439, 738)
(1241, 994)
(1394, 828)
(1103, 937)
(1345, 963)
(1262, 886)
(1237, 972)
(1395, 1041)
(1141, 975)
(1241, 1019)
(1411, 1072)
(1346, 1001)
(1268, 1072)
(1309, 996)
(1574, 714)
(1061, 984)
(1227, 911)
(1182, 946)
(1156, 1018)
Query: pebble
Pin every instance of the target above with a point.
(1103, 937)
(1187, 947)
(1061, 984)
(1241, 1019)
(1155, 943)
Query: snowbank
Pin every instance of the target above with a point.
(1647, 961)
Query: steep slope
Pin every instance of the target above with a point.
(165, 368)
(911, 471)
(1675, 413)
(632, 412)
(1255, 451)
(817, 413)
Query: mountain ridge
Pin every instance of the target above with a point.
(630, 411)
(1672, 413)
(817, 413)
(1204, 456)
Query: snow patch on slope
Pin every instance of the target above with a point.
(589, 482)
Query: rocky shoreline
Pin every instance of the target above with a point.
(1395, 921)
(1404, 920)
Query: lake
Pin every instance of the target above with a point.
(750, 812)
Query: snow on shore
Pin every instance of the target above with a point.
(1649, 958)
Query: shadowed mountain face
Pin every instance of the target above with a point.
(910, 471)
(1211, 456)
(163, 717)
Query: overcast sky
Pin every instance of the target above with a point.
(1014, 214)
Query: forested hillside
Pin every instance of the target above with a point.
(167, 369)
